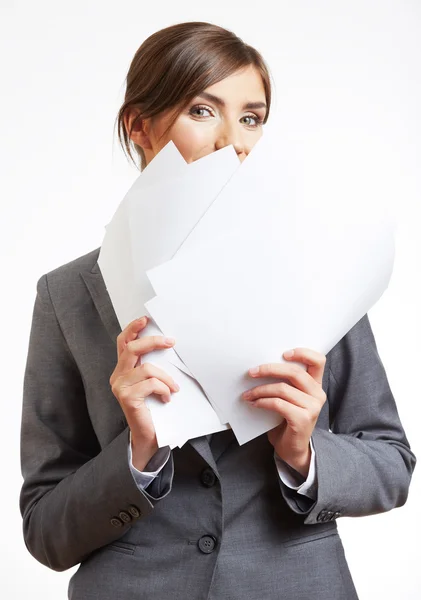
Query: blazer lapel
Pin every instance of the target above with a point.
(212, 452)
(221, 441)
(96, 286)
(201, 445)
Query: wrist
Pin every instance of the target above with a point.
(301, 463)
(142, 451)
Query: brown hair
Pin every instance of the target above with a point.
(177, 63)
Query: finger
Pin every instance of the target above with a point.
(130, 332)
(280, 390)
(137, 348)
(147, 371)
(294, 373)
(153, 386)
(315, 361)
(133, 396)
(292, 414)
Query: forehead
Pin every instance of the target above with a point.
(245, 84)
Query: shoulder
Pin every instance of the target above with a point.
(358, 339)
(356, 353)
(65, 284)
(87, 262)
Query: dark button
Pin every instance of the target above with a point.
(208, 477)
(337, 514)
(124, 516)
(325, 515)
(321, 516)
(207, 544)
(134, 511)
(116, 522)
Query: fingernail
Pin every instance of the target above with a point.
(169, 341)
(289, 353)
(177, 387)
(141, 320)
(247, 395)
(254, 370)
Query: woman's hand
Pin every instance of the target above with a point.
(132, 382)
(299, 402)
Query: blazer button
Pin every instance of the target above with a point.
(325, 515)
(337, 514)
(208, 477)
(124, 516)
(116, 522)
(134, 511)
(207, 544)
(321, 517)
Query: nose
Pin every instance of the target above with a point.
(231, 135)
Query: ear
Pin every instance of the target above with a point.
(140, 133)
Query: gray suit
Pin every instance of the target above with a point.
(217, 523)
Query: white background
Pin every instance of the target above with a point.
(350, 71)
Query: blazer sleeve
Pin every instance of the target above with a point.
(75, 497)
(364, 462)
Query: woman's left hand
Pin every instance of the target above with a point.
(300, 404)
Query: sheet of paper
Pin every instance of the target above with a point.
(176, 361)
(280, 184)
(161, 220)
(115, 258)
(189, 414)
(165, 202)
(247, 297)
(167, 186)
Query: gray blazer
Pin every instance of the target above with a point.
(217, 523)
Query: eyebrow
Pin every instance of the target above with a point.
(222, 102)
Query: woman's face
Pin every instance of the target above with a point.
(228, 112)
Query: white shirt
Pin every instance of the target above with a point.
(287, 475)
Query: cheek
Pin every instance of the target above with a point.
(193, 140)
(254, 137)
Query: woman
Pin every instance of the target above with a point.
(213, 519)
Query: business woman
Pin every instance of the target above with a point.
(213, 519)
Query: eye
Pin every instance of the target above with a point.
(258, 120)
(199, 107)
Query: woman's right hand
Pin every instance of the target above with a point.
(132, 381)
